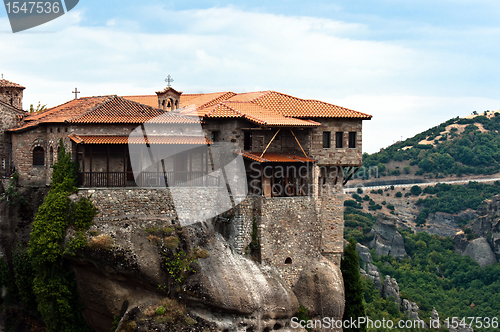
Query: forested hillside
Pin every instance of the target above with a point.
(459, 146)
(432, 275)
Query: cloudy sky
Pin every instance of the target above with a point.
(411, 64)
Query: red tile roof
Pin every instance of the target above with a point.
(273, 157)
(215, 105)
(305, 108)
(265, 108)
(106, 109)
(120, 110)
(257, 114)
(109, 139)
(8, 84)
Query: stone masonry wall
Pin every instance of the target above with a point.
(331, 214)
(289, 228)
(343, 156)
(8, 119)
(12, 96)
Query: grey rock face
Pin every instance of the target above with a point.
(391, 289)
(321, 289)
(445, 224)
(434, 314)
(386, 239)
(462, 329)
(368, 269)
(410, 309)
(364, 253)
(373, 273)
(487, 222)
(480, 251)
(231, 283)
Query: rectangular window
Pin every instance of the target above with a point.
(215, 136)
(352, 139)
(247, 141)
(326, 139)
(339, 139)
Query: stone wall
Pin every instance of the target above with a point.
(8, 119)
(12, 96)
(290, 234)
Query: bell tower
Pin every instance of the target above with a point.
(169, 98)
(11, 93)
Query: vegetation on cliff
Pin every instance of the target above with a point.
(39, 282)
(354, 306)
(434, 275)
(53, 285)
(455, 198)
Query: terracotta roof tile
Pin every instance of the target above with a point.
(121, 110)
(150, 100)
(273, 157)
(248, 96)
(257, 114)
(206, 99)
(8, 84)
(214, 105)
(62, 112)
(109, 139)
(305, 108)
(107, 109)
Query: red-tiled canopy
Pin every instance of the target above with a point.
(273, 157)
(109, 139)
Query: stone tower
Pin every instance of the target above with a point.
(11, 93)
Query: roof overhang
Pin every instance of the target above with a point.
(110, 139)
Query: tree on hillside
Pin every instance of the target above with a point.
(349, 266)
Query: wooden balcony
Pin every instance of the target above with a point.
(147, 179)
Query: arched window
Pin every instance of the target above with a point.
(51, 156)
(38, 156)
(288, 260)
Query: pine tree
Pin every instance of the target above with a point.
(354, 306)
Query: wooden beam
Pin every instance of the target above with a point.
(299, 144)
(107, 167)
(354, 170)
(272, 139)
(256, 129)
(125, 164)
(90, 165)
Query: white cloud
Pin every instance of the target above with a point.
(398, 117)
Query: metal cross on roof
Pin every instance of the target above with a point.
(76, 92)
(169, 80)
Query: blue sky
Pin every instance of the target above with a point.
(411, 64)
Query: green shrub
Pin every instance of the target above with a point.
(416, 190)
(53, 286)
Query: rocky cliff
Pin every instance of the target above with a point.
(144, 272)
(487, 224)
(386, 238)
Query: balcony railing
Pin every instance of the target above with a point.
(147, 179)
